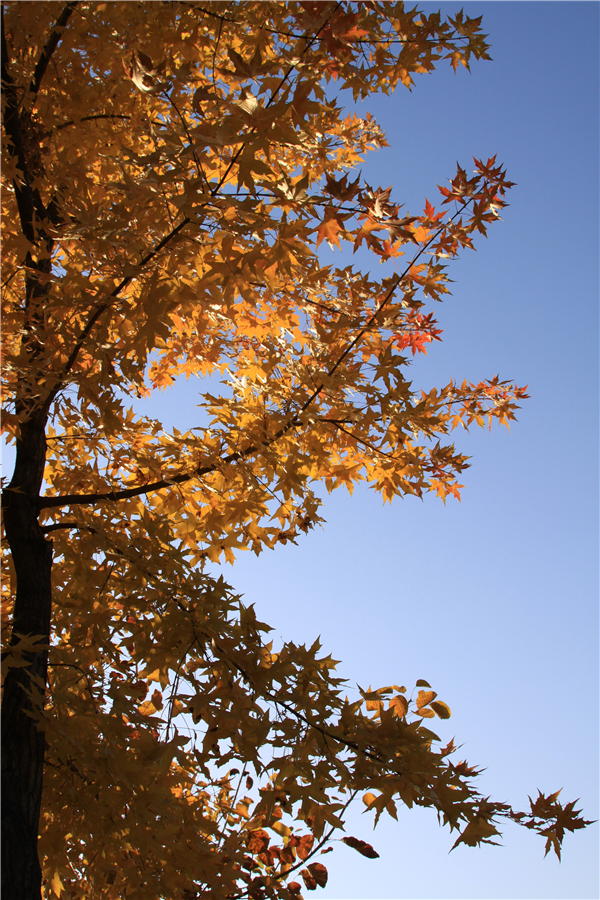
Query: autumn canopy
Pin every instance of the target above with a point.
(169, 173)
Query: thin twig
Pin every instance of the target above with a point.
(89, 119)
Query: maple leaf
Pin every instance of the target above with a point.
(247, 69)
(145, 75)
(329, 231)
(479, 831)
(340, 189)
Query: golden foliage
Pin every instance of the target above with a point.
(182, 162)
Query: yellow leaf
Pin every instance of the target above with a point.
(425, 697)
(399, 706)
(441, 709)
(422, 234)
(56, 885)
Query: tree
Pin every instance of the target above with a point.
(170, 172)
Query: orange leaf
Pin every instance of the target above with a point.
(424, 698)
(399, 706)
(328, 231)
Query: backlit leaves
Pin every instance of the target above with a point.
(328, 231)
(425, 697)
(441, 709)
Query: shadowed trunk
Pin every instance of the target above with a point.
(22, 739)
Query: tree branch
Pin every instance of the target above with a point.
(294, 422)
(50, 47)
(57, 526)
(87, 499)
(362, 441)
(103, 307)
(28, 200)
(371, 41)
(370, 754)
(89, 119)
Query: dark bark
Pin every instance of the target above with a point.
(22, 738)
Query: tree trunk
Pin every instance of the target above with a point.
(23, 739)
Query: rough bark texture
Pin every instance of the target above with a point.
(22, 739)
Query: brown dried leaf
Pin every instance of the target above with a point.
(361, 847)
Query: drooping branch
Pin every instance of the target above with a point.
(369, 753)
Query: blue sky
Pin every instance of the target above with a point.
(493, 600)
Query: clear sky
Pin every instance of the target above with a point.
(493, 600)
